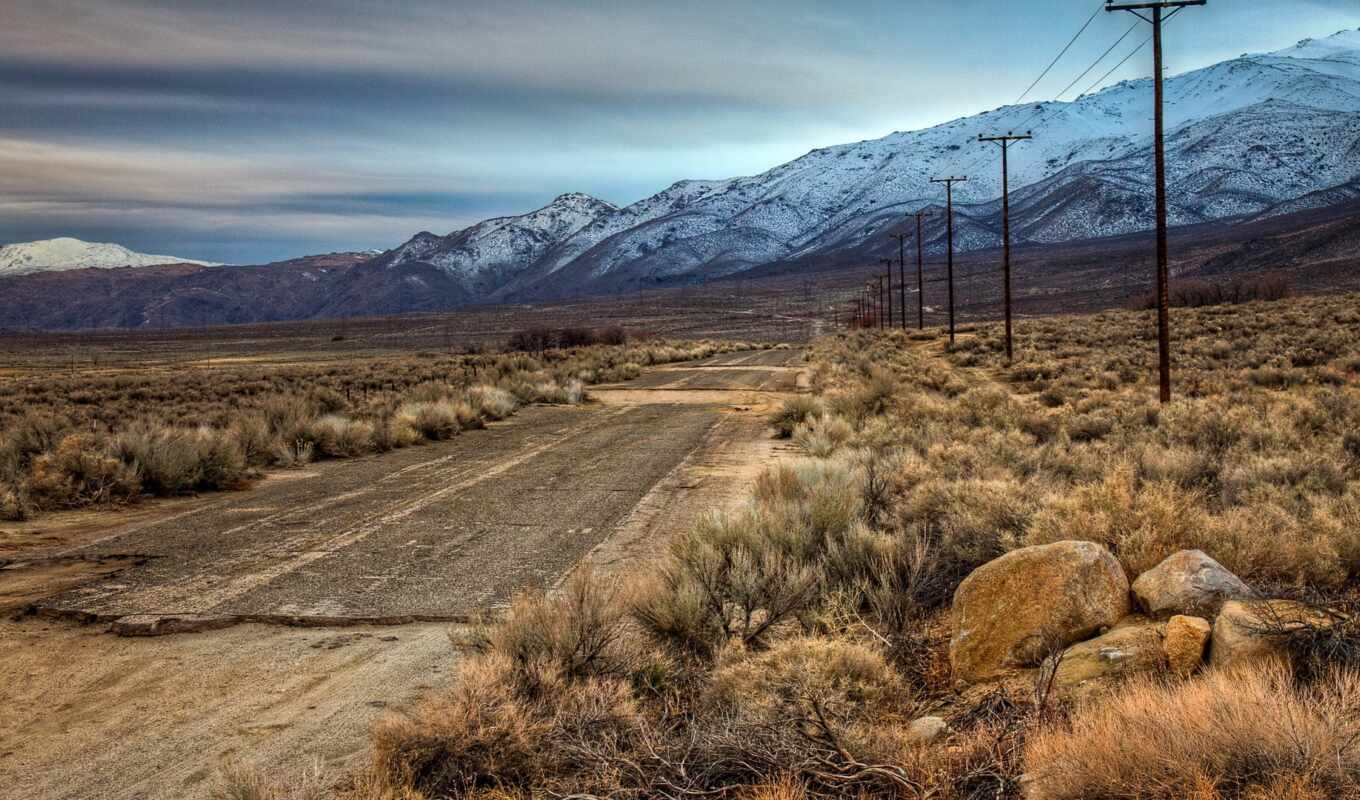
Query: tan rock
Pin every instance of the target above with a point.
(927, 730)
(1240, 630)
(1184, 641)
(1189, 583)
(1131, 647)
(1010, 612)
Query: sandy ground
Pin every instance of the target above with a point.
(295, 614)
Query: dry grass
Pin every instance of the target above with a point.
(1250, 463)
(1226, 735)
(780, 651)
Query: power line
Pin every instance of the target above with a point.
(1062, 53)
(1097, 61)
(1165, 22)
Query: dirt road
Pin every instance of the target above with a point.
(298, 612)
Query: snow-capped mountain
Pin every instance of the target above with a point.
(1245, 136)
(489, 254)
(1248, 140)
(65, 253)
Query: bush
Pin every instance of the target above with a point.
(172, 461)
(793, 412)
(80, 472)
(258, 443)
(1224, 735)
(436, 420)
(578, 633)
(486, 733)
(820, 436)
(14, 505)
(338, 437)
(491, 402)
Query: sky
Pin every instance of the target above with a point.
(259, 130)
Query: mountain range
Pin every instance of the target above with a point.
(1251, 137)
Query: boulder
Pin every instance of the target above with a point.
(1241, 629)
(927, 730)
(1184, 641)
(1012, 611)
(1132, 646)
(1189, 583)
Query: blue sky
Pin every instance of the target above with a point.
(259, 130)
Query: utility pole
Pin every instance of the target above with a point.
(920, 274)
(1163, 273)
(880, 302)
(1005, 142)
(901, 274)
(949, 213)
(887, 262)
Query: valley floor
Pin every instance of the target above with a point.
(292, 616)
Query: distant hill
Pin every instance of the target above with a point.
(49, 255)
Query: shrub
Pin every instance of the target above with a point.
(441, 419)
(486, 733)
(1228, 732)
(822, 435)
(792, 413)
(14, 504)
(31, 435)
(480, 735)
(80, 472)
(722, 584)
(568, 393)
(779, 685)
(173, 461)
(491, 402)
(287, 416)
(293, 453)
(258, 443)
(1350, 445)
(338, 437)
(1142, 525)
(578, 633)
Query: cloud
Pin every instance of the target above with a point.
(218, 119)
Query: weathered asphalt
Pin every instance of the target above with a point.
(428, 533)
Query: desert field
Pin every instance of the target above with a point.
(837, 636)
(683, 569)
(274, 621)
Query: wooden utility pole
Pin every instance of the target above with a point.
(1159, 144)
(920, 274)
(887, 262)
(949, 214)
(902, 274)
(879, 278)
(1005, 142)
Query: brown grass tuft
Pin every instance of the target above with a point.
(1228, 732)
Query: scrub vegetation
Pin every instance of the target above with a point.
(71, 441)
(784, 650)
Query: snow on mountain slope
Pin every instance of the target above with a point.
(67, 253)
(484, 253)
(1244, 135)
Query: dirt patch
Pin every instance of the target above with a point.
(89, 715)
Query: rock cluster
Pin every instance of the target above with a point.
(1069, 608)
